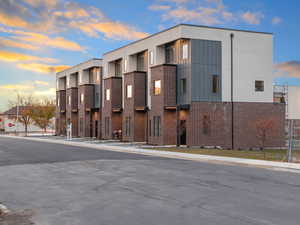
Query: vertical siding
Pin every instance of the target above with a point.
(206, 62)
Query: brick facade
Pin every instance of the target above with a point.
(209, 124)
(60, 113)
(112, 108)
(72, 109)
(134, 112)
(163, 107)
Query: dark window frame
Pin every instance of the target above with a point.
(215, 83)
(259, 86)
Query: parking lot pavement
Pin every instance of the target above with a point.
(67, 185)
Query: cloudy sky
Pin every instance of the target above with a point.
(40, 37)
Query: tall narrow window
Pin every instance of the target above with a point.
(150, 128)
(183, 86)
(118, 70)
(97, 98)
(128, 126)
(259, 85)
(125, 65)
(151, 56)
(156, 126)
(129, 91)
(81, 125)
(141, 61)
(57, 84)
(185, 51)
(215, 83)
(68, 81)
(80, 78)
(170, 54)
(107, 94)
(58, 102)
(69, 100)
(106, 126)
(157, 87)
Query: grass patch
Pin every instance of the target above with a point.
(268, 154)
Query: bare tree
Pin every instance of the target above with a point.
(263, 127)
(43, 113)
(24, 107)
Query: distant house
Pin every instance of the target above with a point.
(8, 123)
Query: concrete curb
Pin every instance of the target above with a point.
(292, 167)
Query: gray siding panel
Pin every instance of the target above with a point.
(205, 62)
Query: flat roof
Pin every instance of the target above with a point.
(190, 25)
(65, 70)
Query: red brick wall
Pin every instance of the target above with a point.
(115, 118)
(246, 116)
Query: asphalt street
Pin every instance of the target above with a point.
(66, 185)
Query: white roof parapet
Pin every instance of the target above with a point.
(81, 66)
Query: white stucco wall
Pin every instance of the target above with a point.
(253, 58)
(293, 102)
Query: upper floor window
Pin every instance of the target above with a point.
(185, 51)
(183, 86)
(68, 81)
(259, 85)
(129, 91)
(107, 94)
(141, 61)
(157, 87)
(170, 54)
(58, 102)
(57, 84)
(125, 65)
(98, 74)
(151, 56)
(80, 78)
(81, 98)
(215, 83)
(69, 100)
(118, 68)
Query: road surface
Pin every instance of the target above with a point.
(66, 185)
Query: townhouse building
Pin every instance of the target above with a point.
(191, 85)
(79, 99)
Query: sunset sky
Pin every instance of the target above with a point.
(40, 37)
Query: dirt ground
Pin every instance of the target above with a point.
(17, 218)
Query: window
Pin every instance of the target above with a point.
(98, 74)
(183, 86)
(106, 126)
(125, 65)
(107, 94)
(81, 125)
(157, 87)
(129, 91)
(58, 102)
(128, 126)
(118, 70)
(185, 51)
(215, 83)
(141, 61)
(156, 126)
(68, 81)
(150, 128)
(80, 78)
(170, 54)
(97, 98)
(69, 99)
(259, 85)
(206, 125)
(81, 98)
(57, 84)
(151, 56)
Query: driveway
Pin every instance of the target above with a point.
(65, 185)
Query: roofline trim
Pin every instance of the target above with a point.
(190, 25)
(65, 70)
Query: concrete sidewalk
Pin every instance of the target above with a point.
(283, 166)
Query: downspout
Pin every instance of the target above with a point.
(232, 104)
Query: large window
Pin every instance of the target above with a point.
(183, 86)
(129, 91)
(215, 83)
(157, 87)
(128, 126)
(151, 56)
(156, 126)
(107, 94)
(259, 85)
(185, 51)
